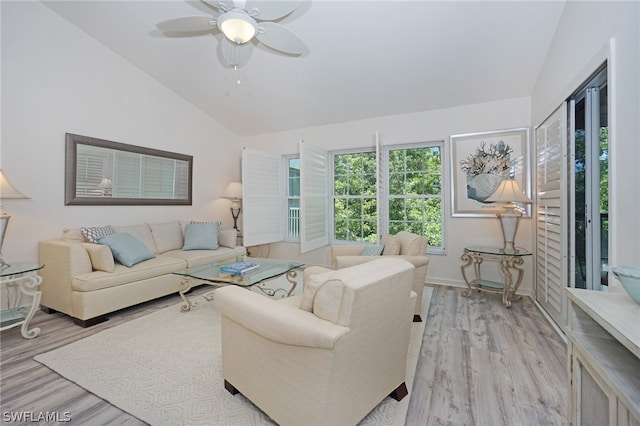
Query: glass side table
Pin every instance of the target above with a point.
(21, 279)
(508, 262)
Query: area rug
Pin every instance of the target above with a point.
(165, 369)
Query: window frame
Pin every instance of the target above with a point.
(382, 189)
(286, 161)
(330, 191)
(386, 188)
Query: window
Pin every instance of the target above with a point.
(293, 197)
(355, 196)
(414, 192)
(409, 196)
(368, 192)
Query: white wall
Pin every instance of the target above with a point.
(588, 34)
(418, 127)
(56, 79)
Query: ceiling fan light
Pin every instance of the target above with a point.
(237, 27)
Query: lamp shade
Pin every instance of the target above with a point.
(509, 192)
(233, 191)
(8, 191)
(105, 183)
(237, 27)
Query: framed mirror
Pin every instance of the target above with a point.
(101, 172)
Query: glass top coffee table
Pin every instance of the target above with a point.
(212, 275)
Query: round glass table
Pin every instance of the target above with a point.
(21, 278)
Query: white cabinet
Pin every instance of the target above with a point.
(603, 358)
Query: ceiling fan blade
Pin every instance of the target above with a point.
(223, 6)
(270, 10)
(235, 54)
(280, 38)
(188, 23)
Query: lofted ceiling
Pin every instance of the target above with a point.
(365, 59)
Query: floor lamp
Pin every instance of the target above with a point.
(509, 192)
(7, 192)
(234, 193)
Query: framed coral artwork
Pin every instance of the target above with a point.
(479, 162)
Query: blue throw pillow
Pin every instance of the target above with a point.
(126, 248)
(372, 250)
(201, 236)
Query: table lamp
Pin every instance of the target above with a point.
(509, 192)
(105, 186)
(234, 193)
(7, 192)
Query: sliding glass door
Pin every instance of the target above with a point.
(572, 203)
(590, 190)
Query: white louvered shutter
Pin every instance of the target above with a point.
(314, 207)
(262, 194)
(551, 217)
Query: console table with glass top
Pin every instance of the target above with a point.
(210, 274)
(508, 262)
(21, 278)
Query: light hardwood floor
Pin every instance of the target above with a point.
(480, 364)
(484, 364)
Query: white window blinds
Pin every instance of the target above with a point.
(551, 223)
(262, 195)
(91, 167)
(314, 226)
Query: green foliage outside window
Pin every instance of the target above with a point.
(413, 193)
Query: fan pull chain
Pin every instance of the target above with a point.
(238, 81)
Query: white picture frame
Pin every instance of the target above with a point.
(479, 161)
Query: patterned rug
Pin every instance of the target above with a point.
(165, 369)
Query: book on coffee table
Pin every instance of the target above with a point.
(239, 268)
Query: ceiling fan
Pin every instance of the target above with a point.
(240, 24)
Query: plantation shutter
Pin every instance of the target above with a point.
(262, 195)
(551, 218)
(91, 167)
(157, 177)
(127, 175)
(314, 207)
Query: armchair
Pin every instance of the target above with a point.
(327, 356)
(405, 245)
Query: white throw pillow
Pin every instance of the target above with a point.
(228, 237)
(101, 257)
(311, 286)
(391, 245)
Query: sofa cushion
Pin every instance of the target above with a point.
(201, 236)
(202, 257)
(126, 248)
(167, 236)
(141, 232)
(101, 257)
(94, 233)
(391, 245)
(156, 267)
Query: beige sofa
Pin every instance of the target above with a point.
(404, 245)
(327, 356)
(82, 280)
